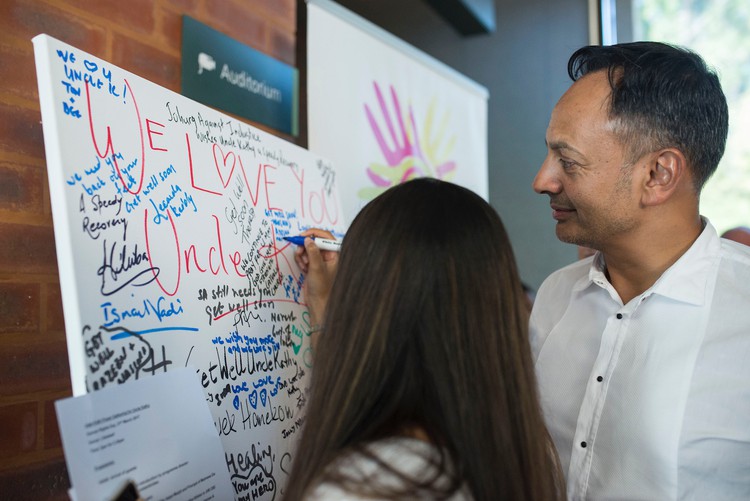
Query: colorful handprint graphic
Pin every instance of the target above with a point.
(408, 154)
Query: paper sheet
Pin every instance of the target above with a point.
(157, 432)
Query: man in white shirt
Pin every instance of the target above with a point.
(642, 351)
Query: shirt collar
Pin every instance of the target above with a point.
(684, 281)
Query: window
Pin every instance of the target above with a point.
(718, 31)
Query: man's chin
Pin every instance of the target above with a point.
(564, 234)
(569, 237)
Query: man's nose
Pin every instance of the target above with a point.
(546, 180)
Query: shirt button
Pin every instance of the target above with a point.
(583, 444)
(599, 378)
(619, 316)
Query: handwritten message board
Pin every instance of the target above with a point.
(169, 223)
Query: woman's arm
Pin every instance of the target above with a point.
(319, 267)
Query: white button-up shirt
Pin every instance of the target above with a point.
(651, 399)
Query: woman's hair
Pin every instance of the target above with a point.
(426, 329)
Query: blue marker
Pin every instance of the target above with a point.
(320, 243)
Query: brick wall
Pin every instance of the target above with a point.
(141, 36)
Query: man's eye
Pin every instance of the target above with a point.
(566, 164)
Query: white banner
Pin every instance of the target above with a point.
(384, 112)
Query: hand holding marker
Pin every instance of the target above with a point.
(320, 243)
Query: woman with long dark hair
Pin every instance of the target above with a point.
(423, 385)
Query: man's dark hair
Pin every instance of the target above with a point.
(662, 96)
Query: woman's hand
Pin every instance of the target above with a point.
(319, 267)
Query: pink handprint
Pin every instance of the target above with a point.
(406, 158)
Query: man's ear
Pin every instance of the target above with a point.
(666, 171)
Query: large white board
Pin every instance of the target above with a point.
(384, 112)
(169, 218)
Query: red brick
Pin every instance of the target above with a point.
(146, 61)
(54, 319)
(240, 23)
(18, 428)
(21, 188)
(170, 29)
(282, 47)
(17, 71)
(185, 6)
(135, 15)
(284, 12)
(30, 367)
(21, 131)
(27, 249)
(48, 481)
(27, 18)
(19, 307)
(51, 428)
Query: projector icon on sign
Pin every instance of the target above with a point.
(205, 62)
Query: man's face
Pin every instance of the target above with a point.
(592, 196)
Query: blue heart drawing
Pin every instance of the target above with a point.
(263, 396)
(253, 398)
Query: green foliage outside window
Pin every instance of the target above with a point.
(719, 30)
